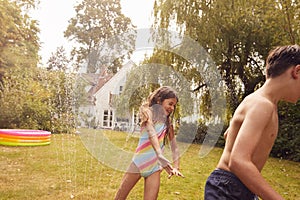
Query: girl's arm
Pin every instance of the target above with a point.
(164, 162)
(175, 154)
(174, 148)
(147, 117)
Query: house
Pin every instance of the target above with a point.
(100, 111)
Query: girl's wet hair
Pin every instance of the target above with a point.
(282, 58)
(153, 104)
(160, 94)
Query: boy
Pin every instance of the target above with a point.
(253, 130)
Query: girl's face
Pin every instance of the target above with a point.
(169, 105)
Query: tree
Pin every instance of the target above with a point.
(24, 99)
(58, 60)
(96, 22)
(27, 4)
(287, 145)
(30, 97)
(290, 11)
(62, 87)
(61, 82)
(237, 34)
(19, 43)
(34, 98)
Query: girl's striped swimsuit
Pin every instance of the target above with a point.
(145, 157)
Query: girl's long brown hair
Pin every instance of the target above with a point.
(151, 109)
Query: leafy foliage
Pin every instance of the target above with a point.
(61, 85)
(238, 35)
(58, 60)
(95, 23)
(24, 100)
(287, 145)
(36, 99)
(19, 43)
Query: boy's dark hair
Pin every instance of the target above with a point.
(281, 58)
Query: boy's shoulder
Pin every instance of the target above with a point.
(257, 101)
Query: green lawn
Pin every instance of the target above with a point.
(83, 167)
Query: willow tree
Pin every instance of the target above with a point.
(237, 34)
(97, 22)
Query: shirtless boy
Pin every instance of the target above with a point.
(253, 130)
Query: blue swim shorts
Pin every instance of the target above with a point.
(224, 185)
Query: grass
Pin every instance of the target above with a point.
(74, 167)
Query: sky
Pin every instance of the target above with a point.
(53, 16)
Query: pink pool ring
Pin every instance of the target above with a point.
(24, 137)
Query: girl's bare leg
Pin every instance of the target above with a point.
(129, 180)
(151, 186)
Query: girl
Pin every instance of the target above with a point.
(156, 129)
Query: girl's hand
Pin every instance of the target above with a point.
(168, 169)
(175, 172)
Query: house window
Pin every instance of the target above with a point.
(107, 118)
(110, 118)
(136, 119)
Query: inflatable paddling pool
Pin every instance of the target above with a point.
(24, 137)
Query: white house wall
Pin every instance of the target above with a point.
(111, 87)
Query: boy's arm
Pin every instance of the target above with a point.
(241, 163)
(225, 134)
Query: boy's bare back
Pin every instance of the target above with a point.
(252, 131)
